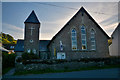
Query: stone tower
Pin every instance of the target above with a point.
(31, 42)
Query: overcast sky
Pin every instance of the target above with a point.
(54, 15)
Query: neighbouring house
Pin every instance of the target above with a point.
(115, 46)
(2, 49)
(81, 37)
(9, 47)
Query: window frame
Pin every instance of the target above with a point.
(92, 35)
(85, 39)
(73, 40)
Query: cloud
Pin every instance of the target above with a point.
(110, 28)
(59, 1)
(15, 31)
(111, 20)
(11, 27)
(53, 19)
(50, 28)
(45, 36)
(110, 24)
(107, 20)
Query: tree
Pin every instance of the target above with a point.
(110, 42)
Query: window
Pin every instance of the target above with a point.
(28, 50)
(34, 51)
(74, 39)
(31, 41)
(11, 47)
(83, 38)
(92, 38)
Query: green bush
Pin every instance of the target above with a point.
(29, 56)
(8, 60)
(19, 59)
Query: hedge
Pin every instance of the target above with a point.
(8, 60)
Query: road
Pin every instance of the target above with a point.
(101, 73)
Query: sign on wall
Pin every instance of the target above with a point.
(61, 46)
(61, 55)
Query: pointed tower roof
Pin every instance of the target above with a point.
(32, 18)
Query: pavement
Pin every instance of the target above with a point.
(101, 73)
(11, 72)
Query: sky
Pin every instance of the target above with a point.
(54, 15)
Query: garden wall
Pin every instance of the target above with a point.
(63, 64)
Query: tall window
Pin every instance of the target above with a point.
(92, 38)
(83, 38)
(74, 39)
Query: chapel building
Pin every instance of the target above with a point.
(81, 37)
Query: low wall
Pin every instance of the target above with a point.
(63, 65)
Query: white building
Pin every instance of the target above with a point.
(115, 46)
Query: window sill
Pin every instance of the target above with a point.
(83, 50)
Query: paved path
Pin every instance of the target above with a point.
(11, 72)
(101, 73)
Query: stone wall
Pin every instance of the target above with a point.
(64, 64)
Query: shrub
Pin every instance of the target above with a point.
(19, 59)
(29, 56)
(8, 60)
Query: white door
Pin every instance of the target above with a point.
(61, 55)
(58, 56)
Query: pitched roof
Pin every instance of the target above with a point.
(19, 46)
(118, 27)
(32, 18)
(80, 10)
(42, 45)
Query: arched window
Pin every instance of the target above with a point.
(74, 39)
(92, 38)
(83, 38)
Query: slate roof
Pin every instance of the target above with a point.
(32, 18)
(19, 46)
(80, 10)
(42, 45)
